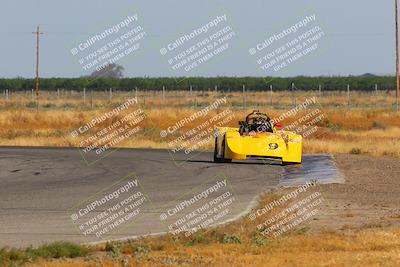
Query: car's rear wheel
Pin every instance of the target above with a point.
(225, 160)
(216, 159)
(222, 159)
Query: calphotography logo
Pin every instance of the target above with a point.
(111, 45)
(197, 47)
(289, 211)
(111, 210)
(103, 134)
(191, 135)
(281, 49)
(210, 204)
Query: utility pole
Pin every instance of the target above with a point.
(348, 95)
(397, 56)
(292, 88)
(38, 33)
(244, 97)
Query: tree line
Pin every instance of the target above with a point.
(360, 83)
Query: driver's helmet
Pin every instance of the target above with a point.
(259, 121)
(261, 125)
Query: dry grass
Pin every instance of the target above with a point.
(368, 130)
(374, 142)
(67, 99)
(241, 244)
(368, 248)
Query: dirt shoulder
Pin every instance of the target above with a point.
(370, 198)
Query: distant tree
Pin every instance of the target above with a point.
(112, 78)
(368, 75)
(109, 71)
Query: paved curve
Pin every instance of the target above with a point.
(39, 186)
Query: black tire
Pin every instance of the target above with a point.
(224, 160)
(216, 158)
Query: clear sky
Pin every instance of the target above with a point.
(358, 35)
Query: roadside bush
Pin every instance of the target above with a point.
(142, 251)
(355, 151)
(378, 125)
(52, 251)
(59, 250)
(259, 241)
(31, 105)
(198, 239)
(230, 239)
(49, 105)
(68, 106)
(334, 127)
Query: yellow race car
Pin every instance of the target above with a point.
(257, 137)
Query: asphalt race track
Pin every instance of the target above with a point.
(41, 187)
